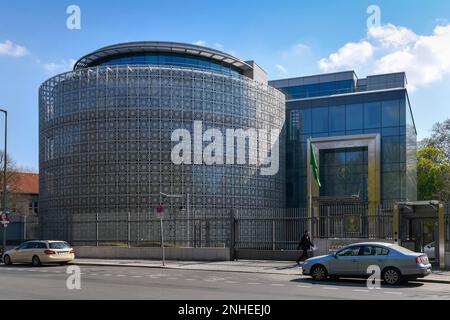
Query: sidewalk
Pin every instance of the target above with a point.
(250, 266)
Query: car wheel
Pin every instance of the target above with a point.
(319, 273)
(7, 260)
(35, 261)
(392, 276)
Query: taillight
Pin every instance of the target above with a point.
(49, 252)
(72, 251)
(422, 260)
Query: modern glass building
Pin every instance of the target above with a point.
(105, 132)
(363, 135)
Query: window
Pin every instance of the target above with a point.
(379, 251)
(59, 245)
(372, 115)
(390, 113)
(368, 251)
(354, 116)
(320, 119)
(352, 251)
(337, 118)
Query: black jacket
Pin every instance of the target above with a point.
(305, 243)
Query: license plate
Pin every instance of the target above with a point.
(63, 252)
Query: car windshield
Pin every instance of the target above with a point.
(59, 245)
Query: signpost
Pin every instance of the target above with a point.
(159, 211)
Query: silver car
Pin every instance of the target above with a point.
(396, 263)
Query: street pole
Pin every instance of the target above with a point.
(4, 174)
(162, 233)
(188, 217)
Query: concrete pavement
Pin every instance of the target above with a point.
(107, 282)
(245, 266)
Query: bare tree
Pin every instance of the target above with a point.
(12, 184)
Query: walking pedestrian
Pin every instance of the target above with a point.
(305, 245)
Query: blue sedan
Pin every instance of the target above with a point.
(396, 263)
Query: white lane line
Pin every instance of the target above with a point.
(330, 288)
(361, 290)
(277, 285)
(189, 279)
(253, 283)
(120, 275)
(93, 274)
(391, 292)
(230, 281)
(107, 275)
(136, 276)
(172, 278)
(302, 286)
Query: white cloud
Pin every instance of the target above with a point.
(53, 68)
(282, 69)
(9, 48)
(390, 48)
(295, 51)
(199, 43)
(350, 55)
(392, 36)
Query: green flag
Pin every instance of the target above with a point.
(313, 164)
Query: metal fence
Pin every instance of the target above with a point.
(282, 229)
(447, 227)
(264, 229)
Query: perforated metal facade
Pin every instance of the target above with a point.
(105, 141)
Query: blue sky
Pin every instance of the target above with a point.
(287, 38)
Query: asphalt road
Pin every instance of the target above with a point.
(49, 282)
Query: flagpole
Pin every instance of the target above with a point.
(310, 187)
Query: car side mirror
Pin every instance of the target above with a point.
(335, 255)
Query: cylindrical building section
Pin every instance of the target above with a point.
(105, 132)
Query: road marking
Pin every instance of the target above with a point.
(230, 281)
(107, 275)
(277, 285)
(253, 283)
(120, 275)
(172, 278)
(189, 279)
(136, 276)
(360, 290)
(301, 286)
(330, 288)
(390, 292)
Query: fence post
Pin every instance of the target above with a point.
(232, 235)
(328, 222)
(96, 229)
(129, 230)
(25, 227)
(273, 235)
